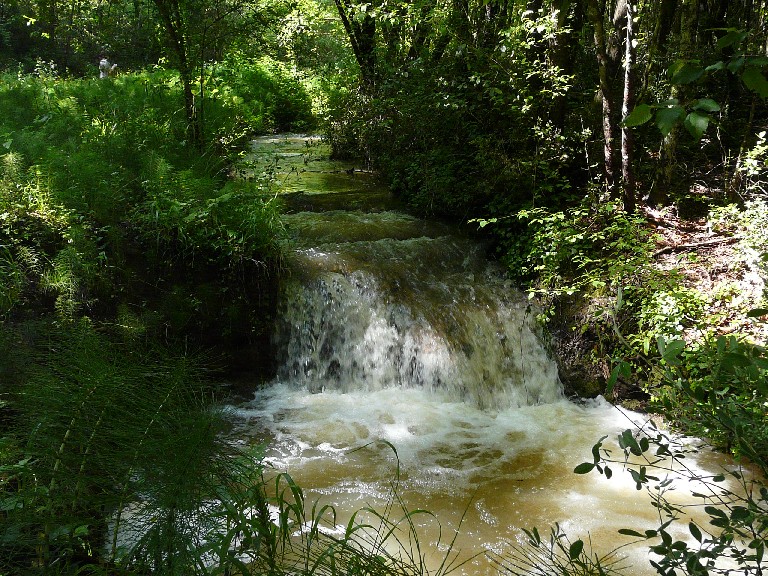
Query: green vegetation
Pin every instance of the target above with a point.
(120, 464)
(122, 249)
(107, 212)
(584, 137)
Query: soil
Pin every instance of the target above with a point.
(714, 262)
(717, 264)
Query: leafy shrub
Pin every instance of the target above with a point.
(263, 95)
(734, 540)
(97, 172)
(32, 230)
(718, 390)
(666, 313)
(118, 462)
(96, 431)
(462, 135)
(593, 249)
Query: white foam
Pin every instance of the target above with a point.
(508, 469)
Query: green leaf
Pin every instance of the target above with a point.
(707, 105)
(755, 81)
(584, 468)
(758, 545)
(740, 514)
(640, 115)
(715, 67)
(733, 359)
(694, 530)
(534, 539)
(696, 124)
(712, 511)
(666, 118)
(757, 312)
(736, 64)
(575, 550)
(685, 72)
(612, 379)
(596, 449)
(628, 532)
(673, 350)
(731, 38)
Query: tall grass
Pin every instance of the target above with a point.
(119, 463)
(120, 212)
(96, 430)
(115, 234)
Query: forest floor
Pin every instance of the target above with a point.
(716, 263)
(722, 278)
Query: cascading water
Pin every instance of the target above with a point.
(395, 329)
(425, 313)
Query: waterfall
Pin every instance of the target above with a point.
(396, 333)
(373, 312)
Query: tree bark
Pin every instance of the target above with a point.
(172, 19)
(609, 123)
(362, 38)
(628, 104)
(562, 52)
(665, 173)
(664, 17)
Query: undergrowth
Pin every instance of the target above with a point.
(123, 252)
(105, 209)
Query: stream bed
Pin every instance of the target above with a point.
(411, 369)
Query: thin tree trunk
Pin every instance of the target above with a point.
(362, 38)
(665, 174)
(627, 143)
(170, 14)
(562, 53)
(657, 48)
(595, 17)
(736, 180)
(423, 30)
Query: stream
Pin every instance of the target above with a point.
(397, 334)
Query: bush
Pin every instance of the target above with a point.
(116, 461)
(262, 95)
(719, 390)
(96, 431)
(101, 175)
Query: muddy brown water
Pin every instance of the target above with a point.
(398, 334)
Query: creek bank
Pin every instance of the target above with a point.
(714, 264)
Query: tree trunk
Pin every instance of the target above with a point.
(423, 31)
(170, 15)
(665, 173)
(664, 17)
(362, 38)
(628, 104)
(563, 49)
(604, 66)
